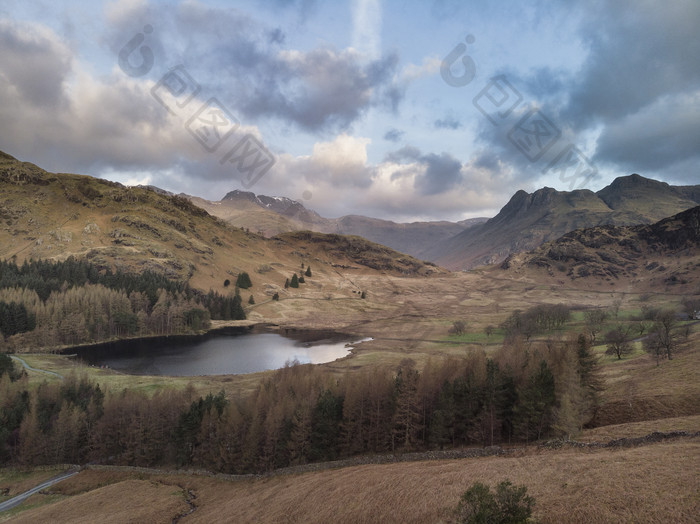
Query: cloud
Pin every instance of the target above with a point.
(74, 121)
(393, 135)
(449, 122)
(240, 58)
(639, 51)
(112, 126)
(406, 186)
(34, 65)
(322, 89)
(438, 173)
(429, 66)
(341, 163)
(657, 137)
(633, 101)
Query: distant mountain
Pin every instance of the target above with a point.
(271, 216)
(662, 254)
(529, 220)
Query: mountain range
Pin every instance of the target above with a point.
(270, 216)
(47, 215)
(524, 223)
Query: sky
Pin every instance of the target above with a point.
(402, 110)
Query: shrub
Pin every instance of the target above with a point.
(459, 327)
(509, 505)
(251, 300)
(276, 296)
(227, 283)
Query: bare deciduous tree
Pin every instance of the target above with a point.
(618, 341)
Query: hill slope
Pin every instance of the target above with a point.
(666, 253)
(528, 220)
(52, 216)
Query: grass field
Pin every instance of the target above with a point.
(653, 483)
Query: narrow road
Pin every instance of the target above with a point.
(16, 501)
(30, 368)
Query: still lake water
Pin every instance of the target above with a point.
(217, 354)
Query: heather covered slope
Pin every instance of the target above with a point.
(663, 254)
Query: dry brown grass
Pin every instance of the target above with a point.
(18, 481)
(649, 484)
(126, 501)
(640, 429)
(653, 483)
(637, 389)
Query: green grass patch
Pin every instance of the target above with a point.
(478, 337)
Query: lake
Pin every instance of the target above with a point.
(227, 352)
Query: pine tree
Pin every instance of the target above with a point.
(537, 401)
(308, 271)
(325, 426)
(286, 284)
(237, 312)
(243, 280)
(251, 300)
(301, 279)
(295, 281)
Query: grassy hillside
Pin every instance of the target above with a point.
(53, 216)
(664, 254)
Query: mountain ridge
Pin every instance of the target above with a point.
(530, 219)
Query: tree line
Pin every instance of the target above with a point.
(303, 413)
(47, 304)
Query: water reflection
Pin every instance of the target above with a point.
(222, 354)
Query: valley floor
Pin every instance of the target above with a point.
(409, 318)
